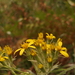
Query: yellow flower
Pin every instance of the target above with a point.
(51, 36)
(7, 50)
(40, 66)
(39, 42)
(3, 58)
(49, 47)
(59, 45)
(64, 53)
(62, 50)
(27, 45)
(33, 52)
(43, 46)
(49, 59)
(40, 36)
(24, 46)
(30, 40)
(0, 49)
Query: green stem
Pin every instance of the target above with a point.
(12, 71)
(41, 73)
(9, 68)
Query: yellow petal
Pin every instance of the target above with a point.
(5, 57)
(60, 43)
(47, 34)
(17, 50)
(30, 43)
(64, 53)
(32, 47)
(30, 40)
(64, 48)
(21, 51)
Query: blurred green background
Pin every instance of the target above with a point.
(22, 19)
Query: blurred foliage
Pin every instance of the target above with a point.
(26, 18)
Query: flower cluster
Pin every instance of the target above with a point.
(5, 52)
(43, 53)
(6, 61)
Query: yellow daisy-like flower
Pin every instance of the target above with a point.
(51, 36)
(3, 58)
(24, 46)
(49, 59)
(7, 50)
(40, 66)
(59, 45)
(40, 36)
(33, 52)
(39, 42)
(43, 46)
(50, 47)
(62, 50)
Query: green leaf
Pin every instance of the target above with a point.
(54, 67)
(66, 70)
